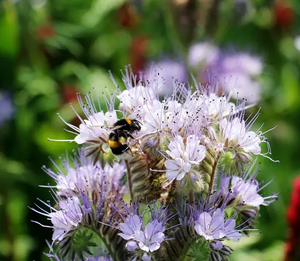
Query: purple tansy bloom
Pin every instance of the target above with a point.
(243, 69)
(239, 70)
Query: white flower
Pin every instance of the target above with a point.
(218, 106)
(177, 169)
(96, 126)
(237, 135)
(183, 156)
(154, 117)
(132, 100)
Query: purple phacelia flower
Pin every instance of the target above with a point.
(64, 219)
(170, 71)
(85, 177)
(143, 237)
(213, 226)
(245, 190)
(130, 226)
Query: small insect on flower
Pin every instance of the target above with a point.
(121, 131)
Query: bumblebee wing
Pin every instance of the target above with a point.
(113, 128)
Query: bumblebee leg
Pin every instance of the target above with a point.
(128, 134)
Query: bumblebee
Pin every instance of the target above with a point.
(128, 125)
(121, 131)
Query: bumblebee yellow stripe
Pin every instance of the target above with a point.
(128, 121)
(114, 144)
(122, 140)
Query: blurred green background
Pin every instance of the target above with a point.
(52, 49)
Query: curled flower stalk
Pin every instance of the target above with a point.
(169, 178)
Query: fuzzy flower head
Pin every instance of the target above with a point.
(236, 134)
(183, 156)
(87, 178)
(97, 123)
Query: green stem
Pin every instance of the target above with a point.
(171, 29)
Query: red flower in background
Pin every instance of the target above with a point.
(69, 93)
(137, 53)
(45, 31)
(284, 15)
(128, 17)
(293, 216)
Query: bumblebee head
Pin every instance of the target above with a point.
(136, 125)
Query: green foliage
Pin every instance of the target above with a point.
(77, 244)
(199, 251)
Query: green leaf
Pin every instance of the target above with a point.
(9, 30)
(99, 9)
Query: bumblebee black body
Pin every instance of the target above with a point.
(122, 130)
(127, 124)
(116, 145)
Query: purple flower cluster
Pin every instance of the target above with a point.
(182, 186)
(239, 71)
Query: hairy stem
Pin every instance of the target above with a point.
(213, 173)
(129, 179)
(191, 196)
